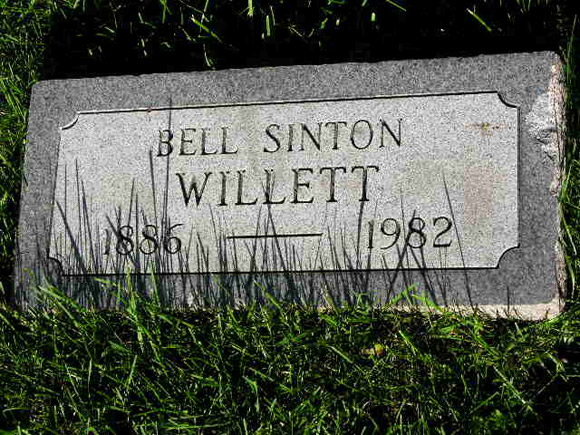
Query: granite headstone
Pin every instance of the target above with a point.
(436, 176)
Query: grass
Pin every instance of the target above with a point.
(275, 367)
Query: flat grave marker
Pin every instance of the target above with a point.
(309, 180)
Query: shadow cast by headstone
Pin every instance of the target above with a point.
(139, 36)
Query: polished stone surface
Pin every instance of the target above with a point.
(372, 179)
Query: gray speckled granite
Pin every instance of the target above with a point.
(479, 150)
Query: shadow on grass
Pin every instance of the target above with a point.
(107, 38)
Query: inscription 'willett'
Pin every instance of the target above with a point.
(372, 183)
